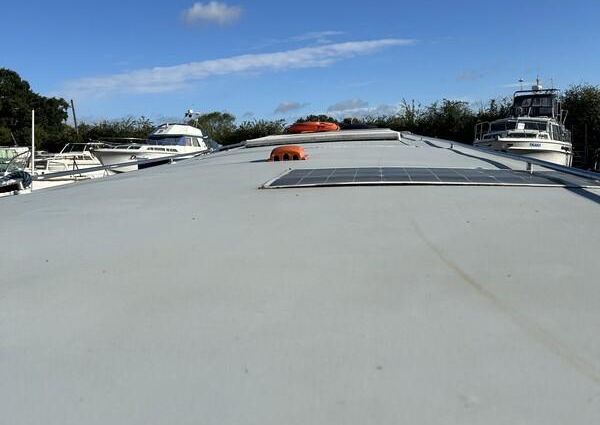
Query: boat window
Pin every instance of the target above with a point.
(526, 102)
(498, 126)
(545, 101)
(532, 125)
(522, 135)
(556, 133)
(167, 141)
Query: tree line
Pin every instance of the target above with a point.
(447, 119)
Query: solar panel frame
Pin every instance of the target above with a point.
(317, 177)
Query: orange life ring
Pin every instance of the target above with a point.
(313, 127)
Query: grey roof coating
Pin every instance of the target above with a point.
(183, 294)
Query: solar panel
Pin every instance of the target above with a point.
(309, 177)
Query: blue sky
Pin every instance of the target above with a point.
(274, 59)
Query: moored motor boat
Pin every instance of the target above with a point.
(166, 141)
(536, 128)
(73, 157)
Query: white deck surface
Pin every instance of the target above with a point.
(184, 294)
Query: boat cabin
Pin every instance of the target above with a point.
(523, 128)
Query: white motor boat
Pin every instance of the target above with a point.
(7, 153)
(166, 141)
(73, 157)
(536, 128)
(13, 159)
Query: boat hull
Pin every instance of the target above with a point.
(119, 156)
(551, 151)
(114, 156)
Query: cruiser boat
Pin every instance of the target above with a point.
(8, 153)
(536, 128)
(13, 178)
(385, 279)
(166, 141)
(73, 157)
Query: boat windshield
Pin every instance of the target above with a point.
(534, 100)
(6, 154)
(532, 125)
(167, 141)
(74, 148)
(503, 125)
(535, 105)
(520, 125)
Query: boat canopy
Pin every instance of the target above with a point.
(176, 130)
(537, 103)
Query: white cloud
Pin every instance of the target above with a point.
(212, 12)
(348, 105)
(524, 84)
(470, 75)
(318, 36)
(170, 78)
(285, 107)
(357, 108)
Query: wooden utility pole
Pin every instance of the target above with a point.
(585, 138)
(74, 118)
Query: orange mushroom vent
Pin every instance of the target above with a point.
(288, 153)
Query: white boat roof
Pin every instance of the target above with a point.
(15, 148)
(330, 136)
(524, 118)
(177, 130)
(186, 293)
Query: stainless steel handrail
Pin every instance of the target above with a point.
(81, 171)
(528, 161)
(16, 158)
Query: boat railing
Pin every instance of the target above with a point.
(82, 171)
(481, 129)
(529, 162)
(563, 116)
(18, 162)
